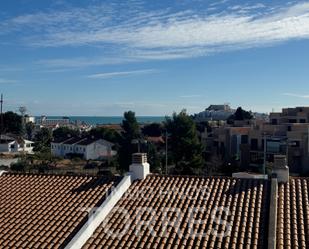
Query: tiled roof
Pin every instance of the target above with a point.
(158, 140)
(171, 208)
(74, 140)
(87, 141)
(293, 214)
(46, 211)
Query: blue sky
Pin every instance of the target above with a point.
(74, 57)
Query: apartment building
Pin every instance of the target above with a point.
(286, 133)
(44, 121)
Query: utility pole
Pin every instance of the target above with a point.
(1, 103)
(308, 139)
(166, 152)
(265, 153)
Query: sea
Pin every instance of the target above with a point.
(97, 120)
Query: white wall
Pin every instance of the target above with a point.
(27, 147)
(7, 147)
(96, 150)
(56, 149)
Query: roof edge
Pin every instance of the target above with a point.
(272, 220)
(2, 172)
(98, 216)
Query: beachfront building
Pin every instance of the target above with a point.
(86, 147)
(44, 121)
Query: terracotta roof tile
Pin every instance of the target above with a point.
(46, 211)
(293, 214)
(187, 212)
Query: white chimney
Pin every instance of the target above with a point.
(280, 168)
(139, 167)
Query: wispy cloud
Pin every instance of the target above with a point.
(296, 95)
(190, 96)
(130, 32)
(120, 74)
(7, 81)
(64, 64)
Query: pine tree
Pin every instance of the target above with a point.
(184, 144)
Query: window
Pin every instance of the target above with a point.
(12, 146)
(292, 121)
(244, 139)
(302, 120)
(254, 144)
(274, 121)
(289, 128)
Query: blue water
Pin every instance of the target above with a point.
(94, 120)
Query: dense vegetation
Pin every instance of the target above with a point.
(12, 123)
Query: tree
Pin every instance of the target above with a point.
(19, 166)
(64, 132)
(108, 134)
(12, 123)
(153, 130)
(239, 115)
(42, 140)
(130, 132)
(29, 130)
(185, 146)
(154, 158)
(201, 126)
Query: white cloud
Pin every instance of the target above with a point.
(296, 95)
(120, 74)
(132, 33)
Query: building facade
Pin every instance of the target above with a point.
(87, 148)
(286, 133)
(15, 145)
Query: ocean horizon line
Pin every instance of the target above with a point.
(99, 120)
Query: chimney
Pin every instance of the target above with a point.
(139, 167)
(280, 168)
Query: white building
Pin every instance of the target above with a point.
(15, 145)
(44, 121)
(215, 112)
(88, 148)
(29, 119)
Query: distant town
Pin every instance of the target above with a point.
(222, 141)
